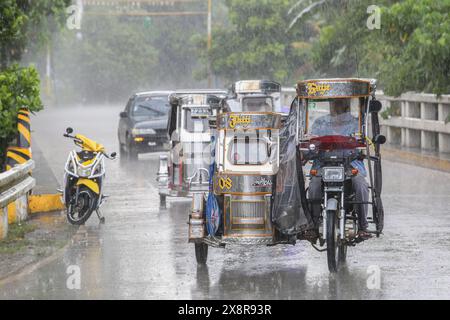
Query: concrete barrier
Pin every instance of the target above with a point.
(45, 203)
(420, 121)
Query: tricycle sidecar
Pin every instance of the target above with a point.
(185, 169)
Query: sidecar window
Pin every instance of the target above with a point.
(248, 150)
(257, 104)
(195, 125)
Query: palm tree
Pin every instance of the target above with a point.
(308, 6)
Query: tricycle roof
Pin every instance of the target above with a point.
(255, 86)
(195, 99)
(217, 92)
(199, 100)
(336, 88)
(154, 93)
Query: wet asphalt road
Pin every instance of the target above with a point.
(142, 253)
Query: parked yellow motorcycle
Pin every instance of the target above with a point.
(83, 179)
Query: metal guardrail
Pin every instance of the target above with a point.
(15, 184)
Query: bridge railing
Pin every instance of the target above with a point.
(417, 120)
(15, 185)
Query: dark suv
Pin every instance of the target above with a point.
(143, 124)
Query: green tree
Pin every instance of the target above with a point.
(259, 45)
(417, 32)
(112, 57)
(21, 22)
(105, 61)
(411, 51)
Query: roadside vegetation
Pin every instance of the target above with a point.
(291, 40)
(23, 24)
(16, 240)
(284, 40)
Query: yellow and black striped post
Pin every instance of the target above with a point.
(21, 151)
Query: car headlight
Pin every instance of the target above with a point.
(142, 131)
(84, 172)
(333, 174)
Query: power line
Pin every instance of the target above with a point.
(147, 14)
(135, 3)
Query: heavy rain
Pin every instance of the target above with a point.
(196, 157)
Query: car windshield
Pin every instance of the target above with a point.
(151, 107)
(334, 117)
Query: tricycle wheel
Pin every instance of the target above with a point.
(201, 253)
(378, 215)
(162, 201)
(336, 251)
(378, 177)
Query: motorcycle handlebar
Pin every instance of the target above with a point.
(314, 155)
(110, 157)
(76, 140)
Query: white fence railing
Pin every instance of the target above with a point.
(417, 120)
(15, 185)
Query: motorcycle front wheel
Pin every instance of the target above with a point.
(336, 251)
(79, 211)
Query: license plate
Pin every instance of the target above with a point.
(152, 144)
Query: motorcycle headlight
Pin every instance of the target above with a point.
(84, 172)
(333, 174)
(143, 131)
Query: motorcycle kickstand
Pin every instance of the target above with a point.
(100, 216)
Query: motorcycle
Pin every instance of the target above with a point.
(333, 136)
(83, 179)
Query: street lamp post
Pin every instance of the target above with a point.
(209, 42)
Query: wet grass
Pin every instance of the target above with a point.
(15, 240)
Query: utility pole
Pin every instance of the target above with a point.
(48, 73)
(209, 43)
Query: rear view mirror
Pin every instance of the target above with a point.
(113, 155)
(375, 106)
(123, 114)
(69, 130)
(379, 139)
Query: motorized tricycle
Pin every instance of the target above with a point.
(237, 208)
(254, 96)
(329, 124)
(186, 167)
(264, 197)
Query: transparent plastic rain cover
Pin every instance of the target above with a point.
(290, 213)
